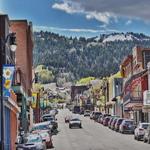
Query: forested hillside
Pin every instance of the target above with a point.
(83, 57)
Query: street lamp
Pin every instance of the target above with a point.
(11, 40)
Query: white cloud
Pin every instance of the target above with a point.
(67, 7)
(128, 22)
(74, 7)
(102, 17)
(104, 11)
(77, 30)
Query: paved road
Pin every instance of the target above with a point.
(92, 136)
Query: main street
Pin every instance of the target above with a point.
(93, 136)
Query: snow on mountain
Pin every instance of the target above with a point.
(124, 37)
(118, 37)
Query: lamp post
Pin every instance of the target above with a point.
(11, 40)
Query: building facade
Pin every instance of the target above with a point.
(23, 86)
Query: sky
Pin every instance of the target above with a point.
(86, 18)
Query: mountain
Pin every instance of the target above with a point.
(83, 57)
(129, 36)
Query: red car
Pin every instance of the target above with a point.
(48, 139)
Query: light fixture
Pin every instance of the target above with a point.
(12, 41)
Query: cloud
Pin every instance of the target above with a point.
(77, 30)
(67, 7)
(104, 10)
(71, 7)
(102, 17)
(128, 22)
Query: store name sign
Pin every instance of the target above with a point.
(146, 97)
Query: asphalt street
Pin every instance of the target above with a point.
(93, 136)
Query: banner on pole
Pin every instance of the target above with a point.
(34, 100)
(8, 73)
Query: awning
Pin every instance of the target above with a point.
(134, 106)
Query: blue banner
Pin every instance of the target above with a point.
(8, 73)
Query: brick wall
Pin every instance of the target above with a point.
(24, 52)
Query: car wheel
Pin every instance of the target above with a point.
(138, 138)
(70, 127)
(144, 140)
(134, 137)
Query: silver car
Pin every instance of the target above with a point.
(36, 140)
(140, 130)
(76, 122)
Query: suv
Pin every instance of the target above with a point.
(140, 130)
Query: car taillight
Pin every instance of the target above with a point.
(141, 129)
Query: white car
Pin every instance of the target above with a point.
(75, 122)
(87, 113)
(140, 130)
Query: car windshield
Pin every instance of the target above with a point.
(129, 122)
(98, 113)
(34, 139)
(120, 120)
(48, 119)
(40, 127)
(145, 126)
(76, 119)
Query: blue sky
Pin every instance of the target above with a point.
(82, 17)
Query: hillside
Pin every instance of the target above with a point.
(76, 58)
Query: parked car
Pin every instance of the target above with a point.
(111, 119)
(96, 115)
(52, 119)
(103, 117)
(43, 126)
(87, 113)
(75, 122)
(33, 142)
(46, 117)
(48, 139)
(127, 126)
(118, 123)
(92, 114)
(146, 137)
(113, 123)
(105, 121)
(140, 131)
(99, 119)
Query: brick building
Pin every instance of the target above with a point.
(10, 109)
(134, 71)
(23, 31)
